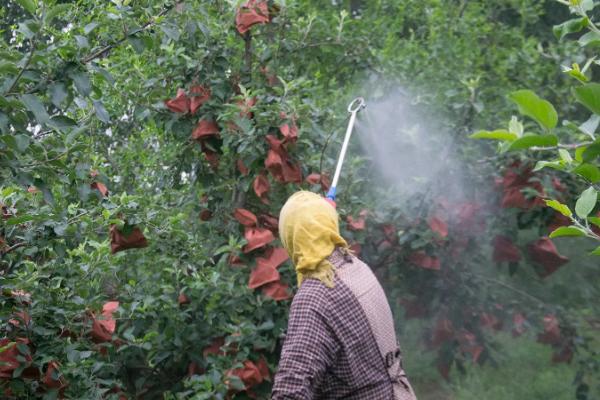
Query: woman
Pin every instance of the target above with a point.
(340, 341)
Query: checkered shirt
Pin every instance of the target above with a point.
(331, 351)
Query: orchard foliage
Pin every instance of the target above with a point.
(561, 146)
(147, 146)
(135, 139)
(576, 150)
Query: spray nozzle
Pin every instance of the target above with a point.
(356, 105)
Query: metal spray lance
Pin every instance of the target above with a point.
(353, 108)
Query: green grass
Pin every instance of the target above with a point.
(524, 372)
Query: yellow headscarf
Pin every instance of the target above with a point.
(309, 231)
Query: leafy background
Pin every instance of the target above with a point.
(96, 157)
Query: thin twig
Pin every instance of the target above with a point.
(571, 146)
(107, 48)
(33, 44)
(588, 232)
(319, 44)
(13, 248)
(76, 217)
(281, 37)
(248, 54)
(58, 157)
(507, 286)
(462, 8)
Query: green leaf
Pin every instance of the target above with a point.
(586, 202)
(171, 32)
(515, 126)
(8, 68)
(101, 112)
(118, 222)
(589, 38)
(29, 5)
(589, 127)
(82, 42)
(5, 193)
(104, 74)
(531, 140)
(73, 355)
(567, 231)
(89, 27)
(3, 122)
(23, 349)
(82, 82)
(19, 370)
(571, 26)
(550, 164)
(591, 152)
(58, 94)
(34, 105)
(18, 143)
(589, 172)
(594, 220)
(137, 44)
(579, 153)
(22, 142)
(236, 383)
(48, 196)
(10, 141)
(499, 134)
(596, 252)
(586, 5)
(40, 330)
(61, 122)
(531, 105)
(19, 219)
(577, 74)
(59, 9)
(558, 206)
(565, 156)
(589, 96)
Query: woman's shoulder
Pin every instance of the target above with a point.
(312, 293)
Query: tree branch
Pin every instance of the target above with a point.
(33, 44)
(102, 51)
(572, 146)
(248, 54)
(34, 164)
(319, 44)
(507, 286)
(12, 248)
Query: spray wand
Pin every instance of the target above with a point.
(353, 108)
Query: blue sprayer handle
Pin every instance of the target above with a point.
(331, 193)
(330, 198)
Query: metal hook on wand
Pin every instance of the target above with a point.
(353, 108)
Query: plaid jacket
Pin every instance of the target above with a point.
(341, 342)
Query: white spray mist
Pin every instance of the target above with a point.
(411, 149)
